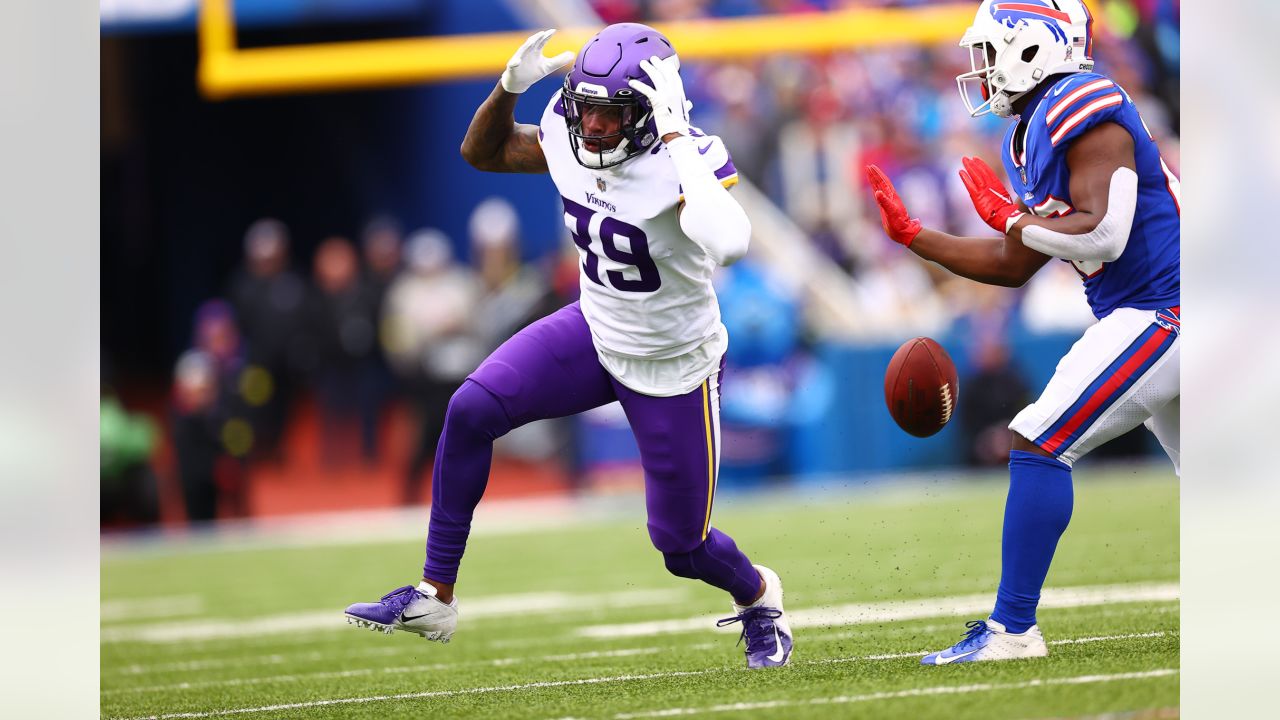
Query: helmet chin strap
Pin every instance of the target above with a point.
(1002, 103)
(598, 161)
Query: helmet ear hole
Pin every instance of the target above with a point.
(1030, 53)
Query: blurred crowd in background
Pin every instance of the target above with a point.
(385, 318)
(393, 317)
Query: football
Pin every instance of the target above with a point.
(920, 387)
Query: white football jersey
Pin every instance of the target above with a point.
(646, 287)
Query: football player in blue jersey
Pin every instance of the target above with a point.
(1093, 191)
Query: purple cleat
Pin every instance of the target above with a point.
(412, 609)
(764, 625)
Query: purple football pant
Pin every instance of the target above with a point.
(550, 370)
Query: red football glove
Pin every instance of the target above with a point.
(898, 225)
(992, 201)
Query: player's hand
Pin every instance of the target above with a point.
(989, 196)
(529, 65)
(898, 225)
(666, 95)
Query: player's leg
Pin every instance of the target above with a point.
(547, 370)
(1166, 420)
(1111, 381)
(679, 450)
(1166, 423)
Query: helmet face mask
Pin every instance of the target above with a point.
(978, 79)
(1014, 46)
(599, 79)
(632, 137)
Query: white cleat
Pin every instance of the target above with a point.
(988, 640)
(411, 609)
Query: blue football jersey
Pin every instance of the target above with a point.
(1146, 276)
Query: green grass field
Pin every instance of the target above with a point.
(560, 622)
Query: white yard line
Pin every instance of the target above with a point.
(419, 695)
(180, 666)
(502, 662)
(150, 608)
(913, 692)
(934, 627)
(898, 610)
(309, 621)
(357, 527)
(936, 690)
(395, 670)
(135, 669)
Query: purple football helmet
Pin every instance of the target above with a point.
(598, 80)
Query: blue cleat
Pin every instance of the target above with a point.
(410, 609)
(764, 625)
(988, 640)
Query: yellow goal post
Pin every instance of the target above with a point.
(227, 71)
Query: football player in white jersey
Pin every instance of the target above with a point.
(646, 201)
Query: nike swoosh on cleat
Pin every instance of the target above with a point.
(943, 660)
(407, 618)
(777, 642)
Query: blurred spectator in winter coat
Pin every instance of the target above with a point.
(514, 295)
(269, 300)
(343, 327)
(425, 334)
(207, 437)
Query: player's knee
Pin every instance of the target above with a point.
(681, 564)
(1017, 442)
(669, 537)
(475, 411)
(680, 550)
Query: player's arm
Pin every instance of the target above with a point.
(709, 216)
(994, 261)
(1104, 191)
(495, 142)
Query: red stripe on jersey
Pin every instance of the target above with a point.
(1108, 388)
(1064, 104)
(1070, 123)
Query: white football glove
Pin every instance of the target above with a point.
(529, 65)
(670, 108)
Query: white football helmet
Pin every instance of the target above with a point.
(1014, 45)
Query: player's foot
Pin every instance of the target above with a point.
(988, 640)
(764, 625)
(412, 609)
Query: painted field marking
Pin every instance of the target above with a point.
(420, 695)
(150, 608)
(396, 670)
(935, 627)
(279, 658)
(936, 690)
(502, 662)
(897, 610)
(914, 692)
(308, 621)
